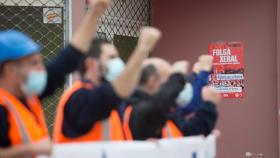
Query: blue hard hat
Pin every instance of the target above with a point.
(15, 45)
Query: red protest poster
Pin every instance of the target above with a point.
(228, 69)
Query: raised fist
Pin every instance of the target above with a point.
(217, 133)
(99, 6)
(206, 62)
(211, 94)
(196, 68)
(180, 67)
(149, 37)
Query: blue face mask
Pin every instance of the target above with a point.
(115, 67)
(185, 95)
(36, 82)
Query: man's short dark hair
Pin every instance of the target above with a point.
(95, 49)
(147, 72)
(2, 66)
(94, 52)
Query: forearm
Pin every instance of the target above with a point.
(23, 151)
(86, 32)
(127, 81)
(200, 81)
(65, 63)
(202, 122)
(196, 100)
(166, 97)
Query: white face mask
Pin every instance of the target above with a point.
(185, 96)
(36, 82)
(115, 68)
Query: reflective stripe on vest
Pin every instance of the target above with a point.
(109, 129)
(126, 128)
(22, 131)
(171, 131)
(26, 125)
(106, 130)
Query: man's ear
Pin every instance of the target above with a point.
(89, 63)
(151, 82)
(96, 63)
(9, 69)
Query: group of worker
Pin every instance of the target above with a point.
(146, 98)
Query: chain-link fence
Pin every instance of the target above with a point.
(45, 22)
(122, 22)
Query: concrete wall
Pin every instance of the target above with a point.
(249, 124)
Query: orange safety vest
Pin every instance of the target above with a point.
(110, 129)
(25, 126)
(169, 131)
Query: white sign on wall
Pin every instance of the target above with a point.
(52, 15)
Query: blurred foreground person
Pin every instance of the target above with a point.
(152, 111)
(24, 81)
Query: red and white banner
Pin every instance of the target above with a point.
(228, 69)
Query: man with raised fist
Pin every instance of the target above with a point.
(152, 111)
(88, 110)
(198, 79)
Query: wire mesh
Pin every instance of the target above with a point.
(122, 22)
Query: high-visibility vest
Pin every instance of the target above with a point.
(169, 131)
(109, 129)
(25, 125)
